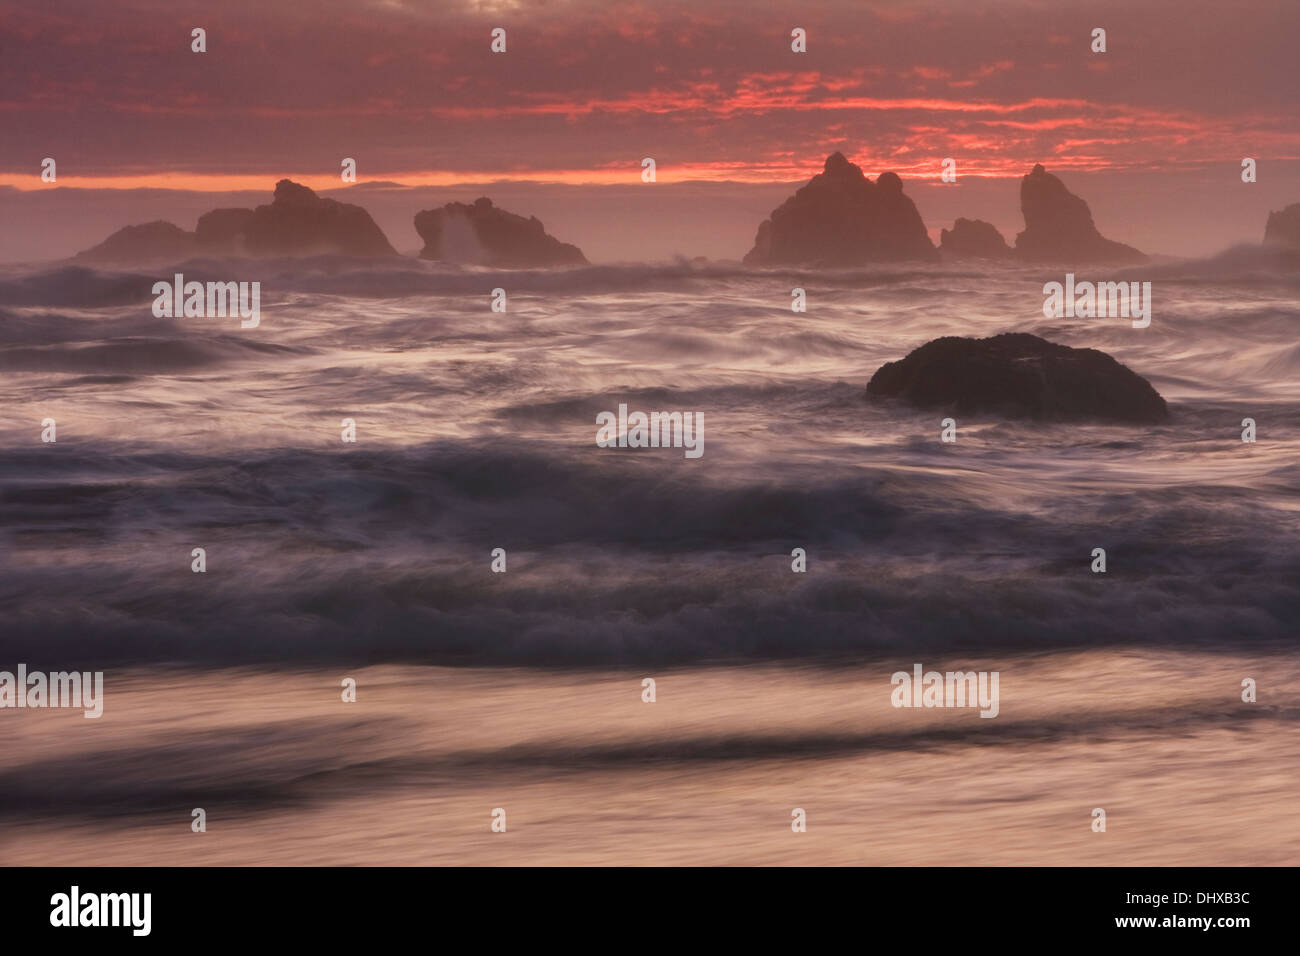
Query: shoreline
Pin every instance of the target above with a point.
(708, 774)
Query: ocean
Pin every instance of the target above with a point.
(480, 688)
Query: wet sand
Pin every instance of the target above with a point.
(708, 774)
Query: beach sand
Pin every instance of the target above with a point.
(708, 774)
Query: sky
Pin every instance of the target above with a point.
(1156, 126)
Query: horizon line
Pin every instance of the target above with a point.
(711, 173)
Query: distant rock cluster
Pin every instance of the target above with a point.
(840, 218)
(299, 223)
(296, 222)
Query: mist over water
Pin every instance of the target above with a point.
(476, 430)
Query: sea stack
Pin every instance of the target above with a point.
(481, 234)
(1283, 227)
(973, 239)
(296, 222)
(1018, 375)
(841, 218)
(1059, 226)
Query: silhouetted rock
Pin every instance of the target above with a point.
(1284, 227)
(842, 218)
(221, 231)
(1059, 226)
(1019, 375)
(482, 234)
(152, 241)
(296, 223)
(973, 238)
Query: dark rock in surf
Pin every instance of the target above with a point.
(481, 234)
(1019, 376)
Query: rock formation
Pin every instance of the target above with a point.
(1283, 227)
(1020, 376)
(296, 223)
(150, 242)
(298, 220)
(482, 234)
(973, 238)
(841, 218)
(1059, 226)
(221, 231)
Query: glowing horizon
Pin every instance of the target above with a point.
(925, 171)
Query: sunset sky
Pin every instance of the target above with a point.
(710, 89)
